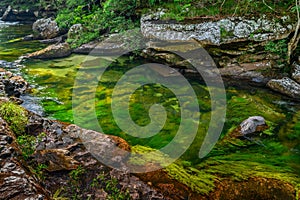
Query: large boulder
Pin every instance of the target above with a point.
(285, 86)
(45, 29)
(11, 14)
(216, 32)
(53, 51)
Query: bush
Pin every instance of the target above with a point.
(15, 116)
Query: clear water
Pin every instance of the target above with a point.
(279, 156)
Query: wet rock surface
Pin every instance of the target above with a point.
(113, 45)
(53, 51)
(62, 150)
(252, 125)
(254, 188)
(11, 85)
(15, 180)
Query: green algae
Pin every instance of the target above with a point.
(238, 159)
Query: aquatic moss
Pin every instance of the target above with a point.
(15, 116)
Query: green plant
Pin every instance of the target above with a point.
(57, 195)
(76, 173)
(15, 116)
(279, 47)
(27, 144)
(111, 186)
(38, 171)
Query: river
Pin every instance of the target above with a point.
(275, 154)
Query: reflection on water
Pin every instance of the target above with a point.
(11, 46)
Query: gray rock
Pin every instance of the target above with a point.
(75, 31)
(12, 85)
(285, 86)
(296, 72)
(215, 32)
(251, 124)
(45, 29)
(53, 51)
(113, 45)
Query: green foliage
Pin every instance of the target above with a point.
(278, 47)
(57, 195)
(27, 144)
(112, 188)
(76, 173)
(114, 16)
(38, 171)
(15, 116)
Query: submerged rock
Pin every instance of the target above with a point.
(45, 29)
(53, 51)
(285, 86)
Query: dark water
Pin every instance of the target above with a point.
(278, 157)
(10, 45)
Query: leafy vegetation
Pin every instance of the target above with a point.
(15, 116)
(27, 144)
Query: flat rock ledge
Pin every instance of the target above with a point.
(216, 32)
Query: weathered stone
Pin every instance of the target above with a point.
(252, 125)
(75, 31)
(215, 32)
(45, 29)
(285, 86)
(56, 159)
(12, 85)
(52, 51)
(296, 72)
(66, 151)
(113, 45)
